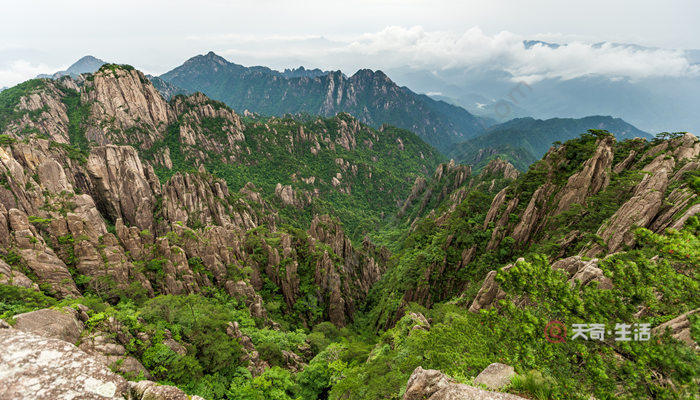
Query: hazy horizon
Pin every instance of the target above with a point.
(158, 36)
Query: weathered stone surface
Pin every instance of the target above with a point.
(123, 185)
(490, 291)
(38, 257)
(53, 119)
(497, 166)
(250, 355)
(532, 218)
(8, 276)
(434, 385)
(147, 390)
(495, 376)
(60, 324)
(243, 291)
(679, 328)
(34, 367)
(593, 177)
(583, 271)
(128, 107)
(640, 209)
(420, 322)
(108, 351)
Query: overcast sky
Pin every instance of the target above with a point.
(47, 35)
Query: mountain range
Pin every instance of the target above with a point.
(375, 99)
(368, 95)
(653, 104)
(525, 140)
(87, 64)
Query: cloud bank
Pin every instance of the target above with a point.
(397, 46)
(414, 47)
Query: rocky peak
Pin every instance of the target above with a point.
(593, 177)
(125, 107)
(498, 166)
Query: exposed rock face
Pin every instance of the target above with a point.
(126, 104)
(640, 209)
(583, 272)
(55, 324)
(578, 271)
(35, 367)
(679, 328)
(109, 352)
(446, 179)
(495, 376)
(359, 270)
(431, 384)
(501, 167)
(531, 220)
(39, 257)
(52, 118)
(40, 368)
(147, 390)
(124, 187)
(593, 178)
(490, 291)
(15, 278)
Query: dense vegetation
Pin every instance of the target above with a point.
(10, 98)
(428, 272)
(360, 184)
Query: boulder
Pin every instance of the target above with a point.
(60, 324)
(36, 367)
(583, 271)
(679, 328)
(147, 390)
(495, 376)
(430, 384)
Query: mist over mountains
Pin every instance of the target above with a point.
(472, 137)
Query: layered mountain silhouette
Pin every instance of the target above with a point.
(368, 95)
(525, 140)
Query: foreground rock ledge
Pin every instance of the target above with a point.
(37, 368)
(430, 384)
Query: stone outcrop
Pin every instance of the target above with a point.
(126, 106)
(577, 270)
(593, 177)
(41, 368)
(495, 376)
(500, 167)
(43, 111)
(583, 271)
(8, 276)
(679, 329)
(490, 292)
(124, 187)
(431, 384)
(60, 324)
(640, 209)
(250, 356)
(446, 179)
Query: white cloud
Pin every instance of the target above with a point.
(17, 71)
(437, 50)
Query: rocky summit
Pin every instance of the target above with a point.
(173, 248)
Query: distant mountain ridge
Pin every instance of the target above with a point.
(87, 64)
(524, 140)
(369, 95)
